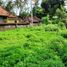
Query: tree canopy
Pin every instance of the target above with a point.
(47, 6)
(50, 6)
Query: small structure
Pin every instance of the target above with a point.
(6, 17)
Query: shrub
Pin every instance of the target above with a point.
(43, 58)
(64, 33)
(57, 45)
(39, 57)
(45, 20)
(32, 47)
(61, 25)
(60, 47)
(64, 56)
(55, 20)
(62, 15)
(51, 27)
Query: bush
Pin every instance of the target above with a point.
(43, 58)
(51, 27)
(57, 45)
(45, 20)
(55, 20)
(64, 56)
(33, 47)
(60, 47)
(38, 57)
(61, 25)
(62, 15)
(64, 33)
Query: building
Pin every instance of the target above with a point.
(29, 19)
(6, 17)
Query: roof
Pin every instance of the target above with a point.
(29, 19)
(34, 19)
(4, 12)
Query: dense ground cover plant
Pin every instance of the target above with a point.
(51, 27)
(33, 47)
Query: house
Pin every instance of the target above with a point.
(34, 19)
(29, 19)
(6, 17)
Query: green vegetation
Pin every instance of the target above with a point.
(40, 46)
(33, 47)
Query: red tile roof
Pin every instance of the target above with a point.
(4, 12)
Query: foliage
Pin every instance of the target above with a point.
(33, 47)
(51, 27)
(64, 33)
(9, 6)
(12, 5)
(62, 15)
(45, 20)
(64, 57)
(50, 6)
(21, 5)
(1, 2)
(38, 11)
(24, 14)
(61, 25)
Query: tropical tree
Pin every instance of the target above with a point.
(50, 6)
(38, 11)
(1, 2)
(9, 6)
(20, 4)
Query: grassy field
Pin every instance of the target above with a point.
(33, 47)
